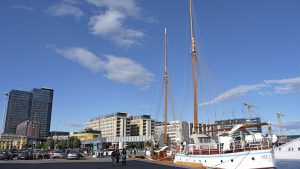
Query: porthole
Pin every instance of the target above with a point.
(253, 158)
(221, 161)
(231, 160)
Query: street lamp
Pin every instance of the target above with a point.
(4, 112)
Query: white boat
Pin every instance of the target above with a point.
(251, 150)
(288, 151)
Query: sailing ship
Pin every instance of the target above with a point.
(250, 150)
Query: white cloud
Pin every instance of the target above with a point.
(82, 56)
(110, 23)
(285, 85)
(289, 127)
(125, 70)
(23, 7)
(65, 8)
(281, 86)
(120, 69)
(233, 93)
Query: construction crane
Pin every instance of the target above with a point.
(249, 107)
(282, 138)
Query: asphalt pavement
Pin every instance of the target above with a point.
(104, 163)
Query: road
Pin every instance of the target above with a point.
(104, 163)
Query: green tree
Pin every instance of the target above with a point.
(62, 144)
(49, 144)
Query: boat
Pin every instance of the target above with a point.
(288, 151)
(249, 150)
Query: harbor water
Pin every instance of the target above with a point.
(288, 164)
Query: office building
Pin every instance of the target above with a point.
(18, 109)
(35, 106)
(112, 125)
(177, 131)
(141, 125)
(41, 109)
(28, 128)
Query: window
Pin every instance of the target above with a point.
(191, 141)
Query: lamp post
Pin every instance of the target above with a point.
(4, 112)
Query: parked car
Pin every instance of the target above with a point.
(41, 154)
(72, 154)
(6, 155)
(56, 154)
(25, 155)
(15, 153)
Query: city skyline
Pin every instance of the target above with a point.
(103, 57)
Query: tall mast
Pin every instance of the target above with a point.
(166, 91)
(194, 57)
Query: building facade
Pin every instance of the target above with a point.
(35, 106)
(178, 131)
(28, 128)
(11, 141)
(112, 125)
(142, 125)
(18, 109)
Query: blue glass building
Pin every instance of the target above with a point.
(35, 105)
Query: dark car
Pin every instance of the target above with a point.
(25, 155)
(6, 155)
(41, 154)
(15, 153)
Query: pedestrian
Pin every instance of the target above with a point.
(118, 156)
(113, 157)
(124, 156)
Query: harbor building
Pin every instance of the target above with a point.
(142, 125)
(178, 131)
(112, 125)
(86, 134)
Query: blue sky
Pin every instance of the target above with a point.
(105, 56)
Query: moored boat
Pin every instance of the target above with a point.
(229, 150)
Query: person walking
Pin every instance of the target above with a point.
(124, 153)
(113, 157)
(118, 156)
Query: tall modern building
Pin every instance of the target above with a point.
(18, 109)
(41, 109)
(23, 105)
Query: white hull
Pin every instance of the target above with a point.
(240, 160)
(288, 151)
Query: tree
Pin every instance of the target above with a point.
(62, 144)
(49, 144)
(77, 143)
